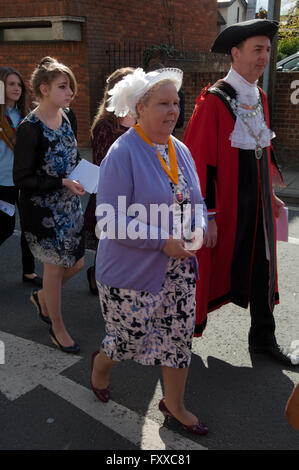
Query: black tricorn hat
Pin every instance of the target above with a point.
(238, 32)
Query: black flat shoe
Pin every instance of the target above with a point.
(34, 300)
(74, 349)
(275, 352)
(90, 278)
(36, 281)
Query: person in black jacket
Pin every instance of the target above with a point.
(50, 208)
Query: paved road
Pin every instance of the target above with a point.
(46, 403)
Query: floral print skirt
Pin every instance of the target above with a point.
(54, 227)
(152, 329)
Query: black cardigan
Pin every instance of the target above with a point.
(29, 155)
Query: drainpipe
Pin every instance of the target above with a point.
(270, 71)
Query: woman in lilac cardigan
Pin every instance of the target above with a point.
(151, 218)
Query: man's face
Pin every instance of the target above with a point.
(251, 59)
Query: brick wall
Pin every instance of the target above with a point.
(27, 59)
(149, 22)
(25, 56)
(206, 69)
(285, 121)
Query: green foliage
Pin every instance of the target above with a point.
(287, 47)
(159, 50)
(288, 36)
(290, 28)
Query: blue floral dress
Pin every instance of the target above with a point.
(53, 221)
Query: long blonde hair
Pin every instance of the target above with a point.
(102, 112)
(23, 101)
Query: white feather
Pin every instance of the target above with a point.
(128, 91)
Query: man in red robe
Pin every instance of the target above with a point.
(230, 140)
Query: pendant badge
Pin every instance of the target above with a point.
(258, 152)
(179, 196)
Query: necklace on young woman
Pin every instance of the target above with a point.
(49, 123)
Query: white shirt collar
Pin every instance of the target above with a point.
(247, 92)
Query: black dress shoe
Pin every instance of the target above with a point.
(91, 279)
(36, 281)
(34, 300)
(74, 349)
(275, 352)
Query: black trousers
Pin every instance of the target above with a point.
(7, 226)
(262, 330)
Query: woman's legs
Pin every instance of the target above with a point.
(52, 283)
(101, 370)
(70, 272)
(50, 297)
(174, 389)
(174, 377)
(174, 386)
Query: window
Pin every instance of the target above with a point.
(293, 64)
(26, 34)
(50, 28)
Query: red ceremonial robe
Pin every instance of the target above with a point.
(237, 187)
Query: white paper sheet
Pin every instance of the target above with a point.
(87, 174)
(6, 207)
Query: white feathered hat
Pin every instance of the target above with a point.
(128, 91)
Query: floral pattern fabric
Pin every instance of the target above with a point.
(152, 329)
(56, 218)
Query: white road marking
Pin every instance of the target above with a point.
(28, 365)
(294, 241)
(141, 431)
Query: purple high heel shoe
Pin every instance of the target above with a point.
(199, 428)
(103, 394)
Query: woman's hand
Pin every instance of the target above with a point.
(174, 248)
(74, 186)
(210, 239)
(196, 243)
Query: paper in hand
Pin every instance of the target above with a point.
(6, 207)
(87, 174)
